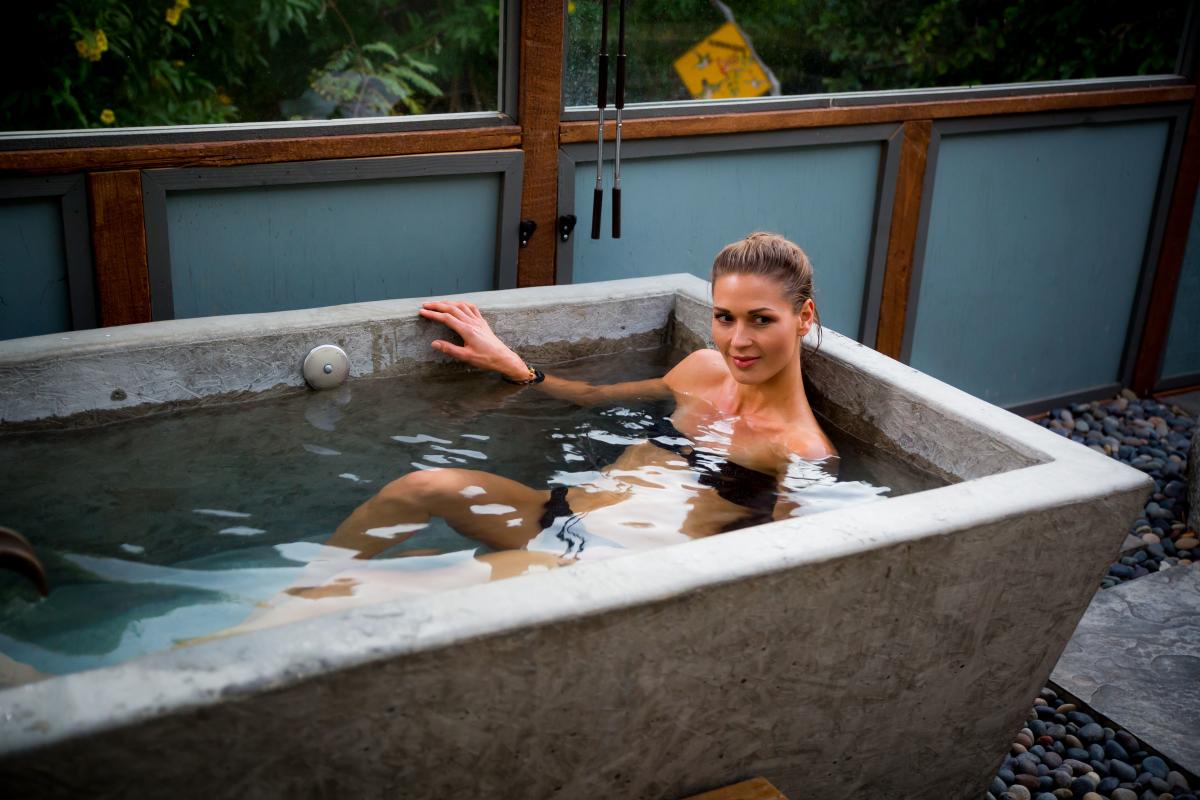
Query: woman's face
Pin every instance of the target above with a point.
(755, 326)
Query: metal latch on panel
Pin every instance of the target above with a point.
(326, 366)
(526, 229)
(566, 224)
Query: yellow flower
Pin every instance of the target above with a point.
(107, 116)
(92, 45)
(177, 63)
(224, 99)
(173, 15)
(181, 4)
(571, 7)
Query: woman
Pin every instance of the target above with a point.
(744, 433)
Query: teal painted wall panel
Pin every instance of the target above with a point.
(33, 268)
(284, 247)
(1034, 249)
(1183, 340)
(679, 211)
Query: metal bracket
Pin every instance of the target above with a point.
(566, 224)
(526, 230)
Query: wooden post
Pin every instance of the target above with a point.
(1153, 345)
(119, 247)
(542, 33)
(902, 236)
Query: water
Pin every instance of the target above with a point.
(163, 529)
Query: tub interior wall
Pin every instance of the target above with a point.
(86, 379)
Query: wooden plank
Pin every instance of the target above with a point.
(1169, 393)
(902, 236)
(705, 124)
(1153, 345)
(753, 789)
(119, 247)
(257, 151)
(542, 33)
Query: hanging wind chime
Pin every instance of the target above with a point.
(601, 104)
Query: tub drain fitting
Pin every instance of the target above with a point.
(326, 366)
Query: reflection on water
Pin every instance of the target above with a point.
(173, 528)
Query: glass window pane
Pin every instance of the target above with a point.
(704, 49)
(127, 63)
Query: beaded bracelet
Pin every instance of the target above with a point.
(535, 376)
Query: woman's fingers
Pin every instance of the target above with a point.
(450, 321)
(458, 308)
(453, 350)
(481, 347)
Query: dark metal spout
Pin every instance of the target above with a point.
(17, 555)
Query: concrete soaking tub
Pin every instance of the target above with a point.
(823, 653)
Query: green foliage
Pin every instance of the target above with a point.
(853, 45)
(955, 42)
(122, 63)
(99, 63)
(365, 86)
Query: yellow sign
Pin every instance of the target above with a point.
(723, 65)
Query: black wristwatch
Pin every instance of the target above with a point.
(535, 376)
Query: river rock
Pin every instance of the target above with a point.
(1077, 767)
(1122, 770)
(1030, 782)
(1155, 766)
(1019, 792)
(1113, 749)
(1081, 786)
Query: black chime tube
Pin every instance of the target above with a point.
(620, 104)
(601, 102)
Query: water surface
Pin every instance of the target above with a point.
(162, 529)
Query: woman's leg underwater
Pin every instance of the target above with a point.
(501, 513)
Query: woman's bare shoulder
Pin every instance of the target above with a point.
(809, 443)
(700, 366)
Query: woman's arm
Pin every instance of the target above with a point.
(482, 348)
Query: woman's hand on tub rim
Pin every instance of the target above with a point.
(481, 347)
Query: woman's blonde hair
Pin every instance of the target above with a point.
(772, 256)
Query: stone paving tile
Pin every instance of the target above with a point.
(1135, 658)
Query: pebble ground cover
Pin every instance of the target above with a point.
(1062, 753)
(1151, 437)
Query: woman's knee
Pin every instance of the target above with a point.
(427, 486)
